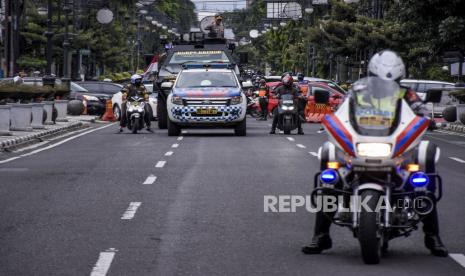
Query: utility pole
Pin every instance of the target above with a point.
(48, 79)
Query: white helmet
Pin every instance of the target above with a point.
(387, 65)
(136, 79)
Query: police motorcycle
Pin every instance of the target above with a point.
(135, 112)
(374, 164)
(287, 114)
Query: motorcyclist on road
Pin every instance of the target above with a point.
(263, 95)
(287, 87)
(388, 65)
(135, 88)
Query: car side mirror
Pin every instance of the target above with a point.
(321, 96)
(247, 84)
(166, 85)
(433, 96)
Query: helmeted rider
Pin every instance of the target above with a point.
(263, 95)
(287, 87)
(135, 88)
(387, 65)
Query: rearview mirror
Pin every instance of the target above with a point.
(433, 96)
(247, 84)
(166, 85)
(321, 96)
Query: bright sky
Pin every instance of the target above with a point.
(211, 7)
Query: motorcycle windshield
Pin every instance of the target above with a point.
(287, 99)
(375, 105)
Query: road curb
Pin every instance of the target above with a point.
(456, 127)
(27, 138)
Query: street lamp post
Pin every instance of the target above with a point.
(48, 79)
(66, 43)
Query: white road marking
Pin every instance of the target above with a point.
(175, 145)
(180, 138)
(131, 211)
(313, 153)
(160, 164)
(301, 146)
(290, 139)
(47, 141)
(457, 159)
(103, 263)
(150, 180)
(54, 145)
(459, 258)
(168, 153)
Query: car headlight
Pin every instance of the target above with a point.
(176, 100)
(286, 107)
(374, 149)
(90, 98)
(236, 100)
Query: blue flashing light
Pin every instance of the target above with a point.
(328, 176)
(419, 180)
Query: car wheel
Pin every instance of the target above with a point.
(117, 112)
(241, 128)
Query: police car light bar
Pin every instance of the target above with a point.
(207, 66)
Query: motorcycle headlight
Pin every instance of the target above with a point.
(374, 149)
(130, 109)
(236, 100)
(176, 100)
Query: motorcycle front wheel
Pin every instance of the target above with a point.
(368, 230)
(135, 126)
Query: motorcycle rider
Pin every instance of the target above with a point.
(388, 65)
(287, 87)
(135, 88)
(263, 95)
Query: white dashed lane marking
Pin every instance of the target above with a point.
(169, 153)
(131, 210)
(457, 159)
(290, 139)
(459, 258)
(175, 145)
(103, 263)
(160, 164)
(301, 146)
(150, 180)
(313, 153)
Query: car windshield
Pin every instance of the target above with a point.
(199, 57)
(375, 105)
(206, 79)
(77, 88)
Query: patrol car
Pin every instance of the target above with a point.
(206, 96)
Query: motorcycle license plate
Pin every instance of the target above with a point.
(207, 111)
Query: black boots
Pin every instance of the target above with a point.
(318, 244)
(273, 131)
(300, 131)
(435, 245)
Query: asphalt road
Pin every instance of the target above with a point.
(82, 207)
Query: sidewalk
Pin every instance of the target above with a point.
(22, 137)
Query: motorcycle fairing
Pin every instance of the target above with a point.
(415, 128)
(340, 133)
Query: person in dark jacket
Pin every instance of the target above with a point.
(135, 88)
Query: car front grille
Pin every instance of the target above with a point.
(201, 102)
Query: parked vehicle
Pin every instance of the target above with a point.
(135, 113)
(92, 100)
(314, 112)
(422, 86)
(373, 156)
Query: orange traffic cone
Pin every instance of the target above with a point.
(109, 116)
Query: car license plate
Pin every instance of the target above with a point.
(207, 111)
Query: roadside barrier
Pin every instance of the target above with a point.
(37, 116)
(109, 116)
(62, 110)
(21, 117)
(5, 120)
(48, 107)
